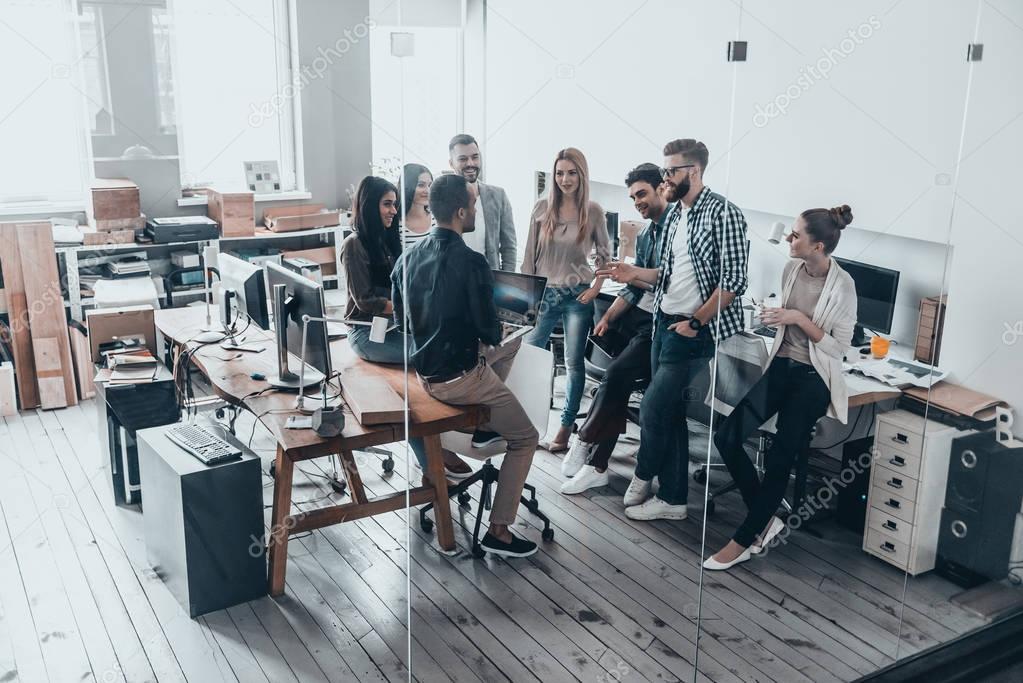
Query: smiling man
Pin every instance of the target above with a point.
(495, 234)
(631, 317)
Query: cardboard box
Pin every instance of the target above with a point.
(106, 324)
(115, 198)
(112, 224)
(235, 212)
(299, 217)
(326, 257)
(112, 237)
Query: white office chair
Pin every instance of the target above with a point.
(530, 381)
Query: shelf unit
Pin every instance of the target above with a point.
(71, 258)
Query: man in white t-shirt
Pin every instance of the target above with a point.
(495, 229)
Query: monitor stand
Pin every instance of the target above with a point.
(860, 337)
(291, 380)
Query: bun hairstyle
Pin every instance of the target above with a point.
(826, 225)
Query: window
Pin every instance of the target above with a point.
(42, 116)
(232, 88)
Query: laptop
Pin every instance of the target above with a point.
(518, 298)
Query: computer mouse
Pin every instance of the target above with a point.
(258, 376)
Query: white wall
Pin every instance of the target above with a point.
(880, 132)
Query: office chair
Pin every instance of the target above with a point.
(530, 381)
(596, 362)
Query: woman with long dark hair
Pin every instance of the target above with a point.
(565, 229)
(803, 381)
(415, 189)
(368, 255)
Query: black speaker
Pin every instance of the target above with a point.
(985, 489)
(852, 497)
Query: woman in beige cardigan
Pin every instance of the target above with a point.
(803, 381)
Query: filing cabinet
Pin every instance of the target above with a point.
(907, 489)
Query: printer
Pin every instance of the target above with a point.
(182, 229)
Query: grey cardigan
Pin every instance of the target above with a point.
(500, 237)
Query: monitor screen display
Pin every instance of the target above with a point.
(518, 296)
(876, 289)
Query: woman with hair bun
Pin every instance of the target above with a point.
(803, 381)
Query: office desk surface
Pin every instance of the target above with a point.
(229, 373)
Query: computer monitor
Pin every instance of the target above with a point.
(518, 297)
(302, 297)
(876, 289)
(249, 286)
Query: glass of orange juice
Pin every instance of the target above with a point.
(879, 346)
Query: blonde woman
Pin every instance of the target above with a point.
(565, 228)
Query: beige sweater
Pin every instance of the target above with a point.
(836, 315)
(563, 259)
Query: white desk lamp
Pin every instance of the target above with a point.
(211, 331)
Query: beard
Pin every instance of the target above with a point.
(676, 191)
(471, 173)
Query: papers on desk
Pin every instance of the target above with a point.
(898, 373)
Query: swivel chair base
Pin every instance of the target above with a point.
(487, 476)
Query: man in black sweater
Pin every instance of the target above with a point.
(456, 344)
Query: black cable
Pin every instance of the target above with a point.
(859, 414)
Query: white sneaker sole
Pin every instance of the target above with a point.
(644, 517)
(507, 553)
(576, 491)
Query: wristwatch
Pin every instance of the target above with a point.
(695, 323)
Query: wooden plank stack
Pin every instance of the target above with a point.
(38, 322)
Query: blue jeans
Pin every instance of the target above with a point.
(560, 305)
(664, 435)
(391, 351)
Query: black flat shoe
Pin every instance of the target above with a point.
(519, 547)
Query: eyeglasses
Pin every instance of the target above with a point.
(672, 170)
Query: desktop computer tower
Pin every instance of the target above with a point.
(852, 497)
(983, 496)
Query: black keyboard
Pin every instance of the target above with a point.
(765, 331)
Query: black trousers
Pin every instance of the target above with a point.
(800, 397)
(606, 419)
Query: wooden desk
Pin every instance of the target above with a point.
(229, 374)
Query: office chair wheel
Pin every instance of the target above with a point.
(387, 465)
(548, 535)
(700, 476)
(219, 412)
(464, 499)
(426, 524)
(478, 552)
(710, 506)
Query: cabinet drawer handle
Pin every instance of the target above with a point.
(895, 483)
(892, 503)
(891, 525)
(897, 460)
(887, 547)
(900, 438)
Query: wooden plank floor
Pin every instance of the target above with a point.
(610, 599)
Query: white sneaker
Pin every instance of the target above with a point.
(587, 478)
(577, 456)
(637, 492)
(655, 508)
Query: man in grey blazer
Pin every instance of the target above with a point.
(496, 241)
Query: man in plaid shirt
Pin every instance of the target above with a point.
(696, 304)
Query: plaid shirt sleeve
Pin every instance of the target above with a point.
(734, 247)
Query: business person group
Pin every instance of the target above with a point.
(680, 300)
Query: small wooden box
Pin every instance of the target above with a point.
(108, 237)
(114, 199)
(117, 224)
(235, 212)
(301, 217)
(929, 328)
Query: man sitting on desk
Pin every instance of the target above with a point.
(451, 312)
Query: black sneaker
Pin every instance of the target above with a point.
(519, 547)
(482, 439)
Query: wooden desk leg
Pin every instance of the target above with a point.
(441, 506)
(280, 525)
(352, 476)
